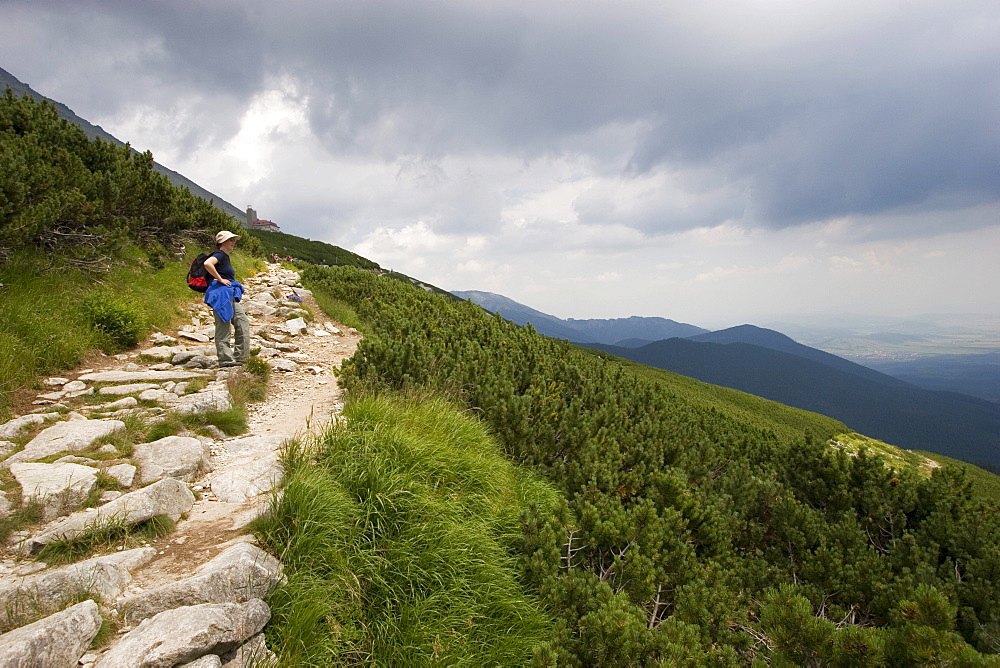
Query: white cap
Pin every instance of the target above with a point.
(224, 236)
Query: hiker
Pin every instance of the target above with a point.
(223, 295)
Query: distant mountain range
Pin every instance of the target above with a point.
(636, 330)
(771, 365)
(20, 88)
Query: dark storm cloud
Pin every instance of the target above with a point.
(895, 111)
(803, 113)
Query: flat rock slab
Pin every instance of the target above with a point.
(240, 573)
(71, 436)
(138, 376)
(131, 388)
(49, 590)
(254, 444)
(14, 427)
(180, 457)
(248, 476)
(59, 488)
(185, 634)
(166, 497)
(58, 640)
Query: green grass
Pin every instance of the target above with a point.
(249, 384)
(23, 516)
(232, 421)
(409, 511)
(45, 328)
(115, 532)
(338, 310)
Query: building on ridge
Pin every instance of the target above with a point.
(255, 223)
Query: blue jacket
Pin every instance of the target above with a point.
(220, 297)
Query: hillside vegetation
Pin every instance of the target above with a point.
(90, 238)
(880, 406)
(306, 250)
(693, 527)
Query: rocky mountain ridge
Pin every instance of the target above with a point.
(195, 595)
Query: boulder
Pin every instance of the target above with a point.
(251, 654)
(206, 401)
(57, 640)
(159, 396)
(71, 435)
(165, 497)
(247, 477)
(258, 308)
(207, 661)
(281, 364)
(295, 326)
(180, 457)
(240, 573)
(184, 634)
(58, 488)
(183, 356)
(47, 591)
(125, 403)
(123, 473)
(200, 362)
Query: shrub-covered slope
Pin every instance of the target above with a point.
(90, 238)
(695, 529)
(954, 424)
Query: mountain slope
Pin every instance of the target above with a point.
(768, 338)
(20, 88)
(953, 424)
(511, 310)
(636, 327)
(580, 331)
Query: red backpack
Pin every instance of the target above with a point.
(198, 278)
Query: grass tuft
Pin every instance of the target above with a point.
(409, 510)
(114, 532)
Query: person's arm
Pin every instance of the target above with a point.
(210, 268)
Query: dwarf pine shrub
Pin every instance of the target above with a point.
(123, 323)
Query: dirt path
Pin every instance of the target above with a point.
(299, 403)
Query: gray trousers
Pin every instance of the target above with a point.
(241, 324)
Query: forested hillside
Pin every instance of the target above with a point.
(953, 424)
(90, 242)
(691, 529)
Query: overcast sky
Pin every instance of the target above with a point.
(709, 162)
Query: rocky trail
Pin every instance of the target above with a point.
(193, 596)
